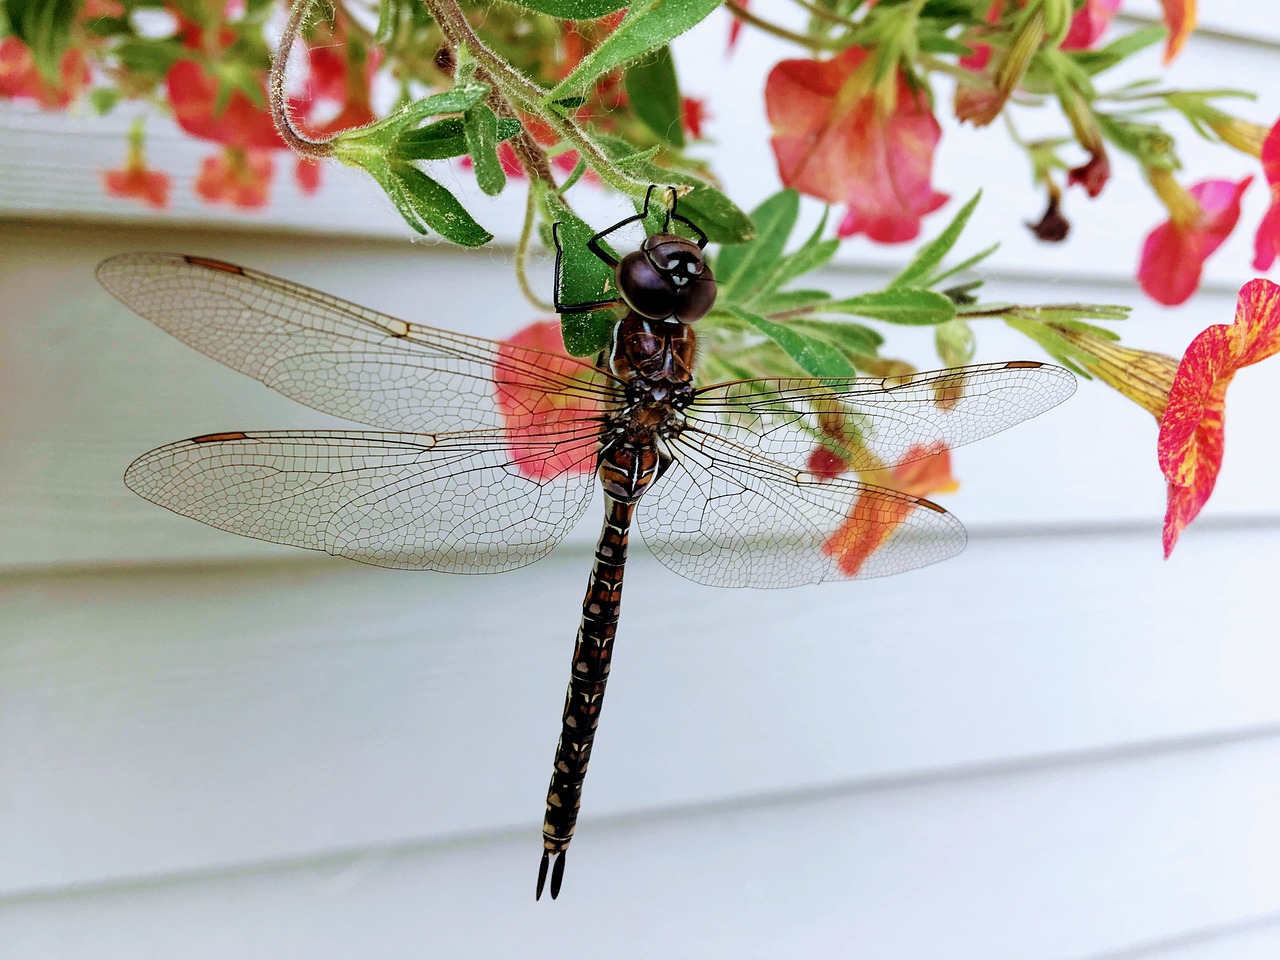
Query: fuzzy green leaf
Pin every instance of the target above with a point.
(480, 127)
(583, 277)
(648, 25)
(740, 269)
(654, 94)
(424, 203)
(919, 271)
(586, 334)
(815, 357)
(904, 305)
(572, 9)
(442, 139)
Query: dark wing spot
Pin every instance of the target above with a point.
(215, 265)
(219, 437)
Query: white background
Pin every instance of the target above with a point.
(1056, 747)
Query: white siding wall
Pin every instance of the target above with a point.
(1056, 747)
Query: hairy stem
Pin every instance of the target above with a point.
(811, 43)
(522, 252)
(296, 141)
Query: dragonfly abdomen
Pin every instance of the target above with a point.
(591, 655)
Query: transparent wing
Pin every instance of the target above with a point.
(342, 358)
(453, 502)
(724, 516)
(898, 418)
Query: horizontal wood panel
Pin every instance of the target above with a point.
(51, 167)
(1169, 856)
(86, 386)
(172, 721)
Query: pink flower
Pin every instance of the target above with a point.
(20, 80)
(1191, 441)
(838, 138)
(1200, 219)
(1266, 244)
(1090, 23)
(241, 123)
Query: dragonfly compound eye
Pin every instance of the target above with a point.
(645, 288)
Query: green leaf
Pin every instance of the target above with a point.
(480, 127)
(815, 357)
(586, 334)
(904, 305)
(738, 268)
(654, 94)
(155, 57)
(647, 26)
(963, 265)
(1104, 58)
(424, 203)
(813, 253)
(45, 27)
(919, 270)
(850, 337)
(572, 9)
(442, 139)
(103, 100)
(716, 215)
(789, 300)
(584, 277)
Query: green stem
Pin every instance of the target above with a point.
(522, 251)
(515, 86)
(811, 43)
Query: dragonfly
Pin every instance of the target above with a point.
(482, 455)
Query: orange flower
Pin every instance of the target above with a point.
(841, 139)
(241, 178)
(535, 417)
(1267, 242)
(1180, 18)
(1191, 432)
(921, 472)
(1200, 219)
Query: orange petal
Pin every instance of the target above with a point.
(1180, 18)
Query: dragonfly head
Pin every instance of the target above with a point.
(667, 277)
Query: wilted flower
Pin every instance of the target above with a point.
(1053, 227)
(1191, 432)
(1199, 220)
(534, 416)
(838, 137)
(921, 472)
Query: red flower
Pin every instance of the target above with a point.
(1180, 18)
(837, 138)
(922, 471)
(193, 95)
(1090, 23)
(134, 181)
(1191, 433)
(1266, 244)
(825, 463)
(20, 80)
(241, 178)
(1200, 219)
(693, 114)
(735, 26)
(534, 417)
